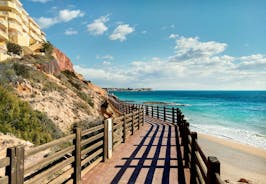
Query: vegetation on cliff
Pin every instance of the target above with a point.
(18, 118)
(40, 102)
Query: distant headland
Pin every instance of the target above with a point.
(128, 89)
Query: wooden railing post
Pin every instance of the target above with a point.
(185, 143)
(193, 171)
(77, 169)
(147, 110)
(139, 113)
(143, 117)
(157, 112)
(151, 111)
(105, 141)
(124, 129)
(164, 114)
(173, 115)
(15, 170)
(178, 116)
(132, 124)
(213, 168)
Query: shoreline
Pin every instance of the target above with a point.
(237, 160)
(260, 152)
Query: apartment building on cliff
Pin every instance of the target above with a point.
(18, 27)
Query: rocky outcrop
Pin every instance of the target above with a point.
(63, 61)
(51, 67)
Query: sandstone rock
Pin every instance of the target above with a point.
(51, 67)
(63, 61)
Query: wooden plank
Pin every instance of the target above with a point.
(204, 158)
(93, 129)
(91, 139)
(202, 168)
(11, 152)
(213, 169)
(38, 165)
(128, 120)
(105, 143)
(77, 169)
(118, 119)
(117, 126)
(132, 125)
(219, 179)
(4, 162)
(43, 147)
(63, 177)
(4, 180)
(92, 156)
(20, 164)
(87, 169)
(47, 173)
(124, 130)
(200, 177)
(91, 148)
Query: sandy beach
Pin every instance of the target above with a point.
(237, 160)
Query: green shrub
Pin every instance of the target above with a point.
(35, 76)
(85, 97)
(18, 118)
(22, 70)
(14, 48)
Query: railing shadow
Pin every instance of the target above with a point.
(157, 130)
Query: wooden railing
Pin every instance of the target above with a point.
(67, 159)
(203, 169)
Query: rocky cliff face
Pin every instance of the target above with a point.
(63, 61)
(51, 86)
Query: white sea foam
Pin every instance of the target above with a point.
(240, 135)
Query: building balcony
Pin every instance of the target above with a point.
(14, 16)
(15, 26)
(3, 23)
(35, 28)
(3, 35)
(35, 36)
(5, 5)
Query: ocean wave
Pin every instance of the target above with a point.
(165, 103)
(249, 137)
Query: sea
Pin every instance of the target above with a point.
(235, 115)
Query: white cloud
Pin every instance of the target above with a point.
(62, 16)
(209, 68)
(67, 15)
(173, 36)
(45, 22)
(106, 63)
(98, 26)
(120, 33)
(191, 47)
(40, 1)
(171, 26)
(71, 31)
(106, 57)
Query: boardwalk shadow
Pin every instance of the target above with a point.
(154, 139)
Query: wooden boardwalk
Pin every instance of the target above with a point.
(152, 155)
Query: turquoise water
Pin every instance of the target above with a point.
(236, 115)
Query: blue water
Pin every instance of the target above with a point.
(236, 115)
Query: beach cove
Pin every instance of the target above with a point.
(225, 128)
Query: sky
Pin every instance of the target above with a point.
(161, 44)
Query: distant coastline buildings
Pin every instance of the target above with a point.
(128, 89)
(18, 27)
